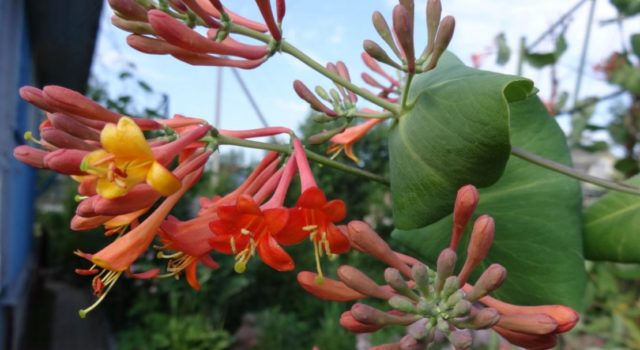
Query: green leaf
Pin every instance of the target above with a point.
(635, 44)
(627, 7)
(538, 219)
(611, 227)
(504, 52)
(456, 133)
(539, 60)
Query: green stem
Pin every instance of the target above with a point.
(304, 58)
(227, 140)
(569, 171)
(405, 92)
(383, 115)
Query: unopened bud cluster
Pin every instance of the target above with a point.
(439, 304)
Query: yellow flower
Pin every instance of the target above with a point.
(125, 161)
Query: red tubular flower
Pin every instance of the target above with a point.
(189, 239)
(265, 9)
(210, 7)
(313, 216)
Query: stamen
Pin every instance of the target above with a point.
(112, 277)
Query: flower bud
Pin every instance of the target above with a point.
(444, 267)
(364, 238)
(375, 51)
(73, 126)
(461, 309)
(306, 94)
(135, 27)
(129, 10)
(343, 71)
(348, 322)
(479, 319)
(37, 98)
(328, 290)
(395, 280)
(466, 202)
(381, 26)
(403, 304)
(454, 298)
(30, 155)
(138, 197)
(403, 27)
(536, 324)
(267, 14)
(80, 223)
(374, 66)
(479, 245)
(434, 12)
(420, 275)
(370, 315)
(280, 10)
(410, 343)
(65, 161)
(361, 283)
(461, 339)
(325, 135)
(528, 341)
(490, 280)
(419, 329)
(451, 285)
(443, 38)
(61, 139)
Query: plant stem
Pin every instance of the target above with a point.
(568, 171)
(227, 140)
(304, 58)
(383, 115)
(583, 54)
(405, 92)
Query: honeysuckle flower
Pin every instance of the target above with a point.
(346, 139)
(117, 257)
(126, 160)
(313, 216)
(189, 241)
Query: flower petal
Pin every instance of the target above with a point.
(335, 210)
(273, 255)
(275, 219)
(313, 197)
(338, 241)
(293, 232)
(162, 180)
(109, 190)
(191, 273)
(125, 139)
(246, 205)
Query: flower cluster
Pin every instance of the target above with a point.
(437, 305)
(122, 175)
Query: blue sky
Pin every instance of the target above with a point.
(334, 30)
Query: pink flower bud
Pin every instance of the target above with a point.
(348, 322)
(61, 139)
(364, 238)
(479, 319)
(81, 223)
(528, 341)
(461, 339)
(536, 324)
(374, 66)
(370, 315)
(265, 10)
(203, 13)
(376, 52)
(325, 136)
(358, 281)
(212, 8)
(434, 12)
(306, 94)
(343, 71)
(403, 27)
(381, 26)
(73, 126)
(135, 27)
(31, 156)
(490, 280)
(65, 161)
(280, 10)
(129, 10)
(466, 202)
(207, 60)
(329, 289)
(479, 245)
(250, 51)
(444, 267)
(443, 38)
(37, 98)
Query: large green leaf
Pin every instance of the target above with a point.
(457, 132)
(538, 219)
(611, 227)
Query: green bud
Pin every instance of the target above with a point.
(451, 285)
(462, 308)
(445, 265)
(420, 274)
(403, 304)
(395, 280)
(419, 329)
(385, 33)
(320, 91)
(455, 298)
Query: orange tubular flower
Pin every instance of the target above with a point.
(245, 228)
(125, 161)
(346, 139)
(189, 240)
(315, 217)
